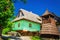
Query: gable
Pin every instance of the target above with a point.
(20, 14)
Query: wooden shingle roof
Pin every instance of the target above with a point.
(49, 29)
(47, 13)
(28, 15)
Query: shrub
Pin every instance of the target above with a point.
(35, 38)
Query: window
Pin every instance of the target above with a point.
(30, 25)
(22, 14)
(18, 24)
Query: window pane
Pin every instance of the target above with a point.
(18, 24)
(30, 25)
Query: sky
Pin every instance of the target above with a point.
(39, 6)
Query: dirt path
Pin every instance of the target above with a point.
(25, 37)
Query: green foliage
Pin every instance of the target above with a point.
(6, 12)
(36, 38)
(5, 30)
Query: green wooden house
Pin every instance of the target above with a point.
(27, 22)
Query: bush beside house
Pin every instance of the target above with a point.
(35, 38)
(5, 30)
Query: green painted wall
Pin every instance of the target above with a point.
(24, 25)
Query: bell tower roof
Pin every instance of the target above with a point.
(47, 13)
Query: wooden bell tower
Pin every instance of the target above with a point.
(48, 17)
(49, 29)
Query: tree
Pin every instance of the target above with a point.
(6, 13)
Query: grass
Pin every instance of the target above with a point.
(35, 38)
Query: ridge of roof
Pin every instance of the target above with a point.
(29, 12)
